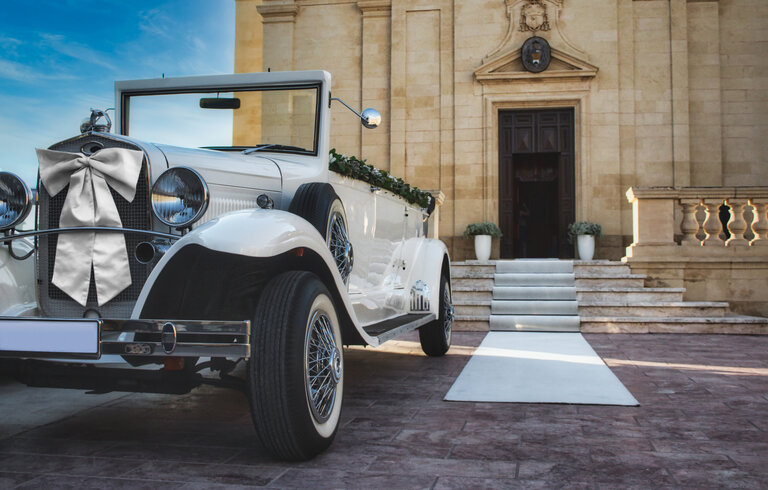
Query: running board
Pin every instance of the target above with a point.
(394, 327)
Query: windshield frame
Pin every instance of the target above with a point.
(126, 94)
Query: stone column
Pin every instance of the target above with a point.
(375, 78)
(278, 19)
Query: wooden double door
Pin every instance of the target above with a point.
(536, 182)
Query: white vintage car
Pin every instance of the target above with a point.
(247, 249)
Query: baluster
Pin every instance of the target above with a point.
(690, 226)
(712, 225)
(737, 225)
(759, 222)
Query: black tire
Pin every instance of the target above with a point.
(435, 336)
(319, 204)
(292, 314)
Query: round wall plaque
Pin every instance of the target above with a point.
(536, 54)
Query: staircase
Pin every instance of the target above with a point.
(586, 296)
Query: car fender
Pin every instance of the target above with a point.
(429, 262)
(257, 233)
(17, 280)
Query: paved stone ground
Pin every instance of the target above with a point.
(703, 422)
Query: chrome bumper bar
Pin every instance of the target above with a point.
(27, 337)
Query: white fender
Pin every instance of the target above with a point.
(256, 233)
(17, 280)
(427, 267)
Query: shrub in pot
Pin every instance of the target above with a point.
(585, 233)
(483, 233)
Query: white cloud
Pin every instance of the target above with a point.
(19, 72)
(76, 50)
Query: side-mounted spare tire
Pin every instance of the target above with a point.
(319, 204)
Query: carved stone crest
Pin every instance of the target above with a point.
(533, 17)
(536, 54)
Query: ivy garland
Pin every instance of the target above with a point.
(351, 166)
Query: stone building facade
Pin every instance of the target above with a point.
(667, 97)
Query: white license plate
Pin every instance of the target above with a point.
(76, 337)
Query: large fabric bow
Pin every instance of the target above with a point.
(89, 203)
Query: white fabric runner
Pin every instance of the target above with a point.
(89, 203)
(538, 367)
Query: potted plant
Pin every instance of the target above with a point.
(585, 233)
(483, 233)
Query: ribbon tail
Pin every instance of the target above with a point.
(111, 269)
(72, 268)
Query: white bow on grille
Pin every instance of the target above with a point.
(89, 203)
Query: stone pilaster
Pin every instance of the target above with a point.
(375, 79)
(278, 19)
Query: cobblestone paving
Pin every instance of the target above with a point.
(703, 422)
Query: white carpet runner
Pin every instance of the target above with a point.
(538, 367)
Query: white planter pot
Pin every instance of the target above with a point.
(483, 247)
(586, 245)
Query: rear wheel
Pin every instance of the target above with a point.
(318, 203)
(435, 336)
(296, 370)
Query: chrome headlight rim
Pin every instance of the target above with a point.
(204, 200)
(27, 200)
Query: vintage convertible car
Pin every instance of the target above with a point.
(178, 263)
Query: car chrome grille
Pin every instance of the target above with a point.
(53, 301)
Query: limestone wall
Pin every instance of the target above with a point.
(664, 92)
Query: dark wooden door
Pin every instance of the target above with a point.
(536, 182)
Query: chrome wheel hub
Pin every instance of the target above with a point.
(323, 366)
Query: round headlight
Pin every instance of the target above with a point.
(179, 197)
(15, 200)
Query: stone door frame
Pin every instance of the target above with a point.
(493, 103)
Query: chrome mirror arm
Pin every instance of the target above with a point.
(369, 117)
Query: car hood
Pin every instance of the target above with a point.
(230, 169)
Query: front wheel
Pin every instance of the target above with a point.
(435, 336)
(296, 370)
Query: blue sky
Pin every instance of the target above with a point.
(59, 58)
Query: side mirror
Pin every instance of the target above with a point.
(371, 118)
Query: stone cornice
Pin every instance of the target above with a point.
(282, 11)
(375, 8)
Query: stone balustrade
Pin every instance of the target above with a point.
(685, 221)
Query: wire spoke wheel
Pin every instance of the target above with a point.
(435, 336)
(323, 367)
(447, 313)
(339, 244)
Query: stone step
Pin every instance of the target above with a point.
(724, 325)
(600, 267)
(548, 308)
(471, 293)
(535, 293)
(653, 309)
(534, 266)
(471, 323)
(597, 282)
(534, 323)
(472, 308)
(630, 295)
(534, 279)
(474, 266)
(478, 282)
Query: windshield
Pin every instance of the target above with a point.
(268, 119)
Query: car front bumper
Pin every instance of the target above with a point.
(88, 339)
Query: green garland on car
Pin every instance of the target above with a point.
(352, 167)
